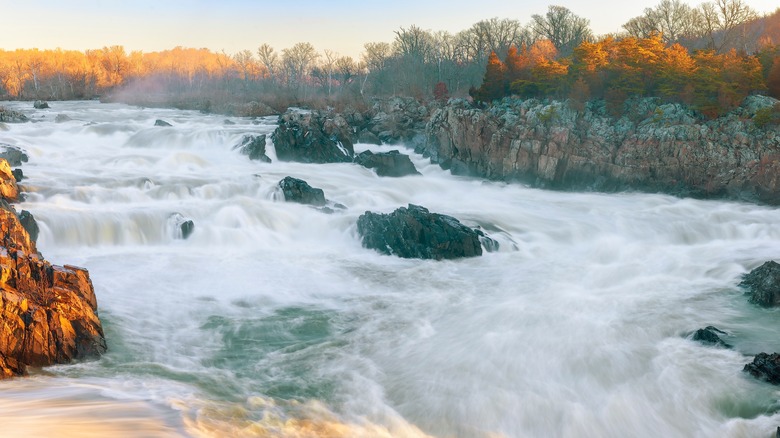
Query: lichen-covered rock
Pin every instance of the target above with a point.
(48, 313)
(414, 232)
(765, 367)
(253, 146)
(391, 163)
(763, 284)
(313, 137)
(298, 190)
(653, 147)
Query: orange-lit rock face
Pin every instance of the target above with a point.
(48, 314)
(8, 188)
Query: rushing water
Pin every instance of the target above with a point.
(272, 320)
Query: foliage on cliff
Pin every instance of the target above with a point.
(615, 69)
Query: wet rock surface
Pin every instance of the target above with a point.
(313, 137)
(763, 284)
(253, 146)
(298, 190)
(391, 163)
(414, 232)
(765, 367)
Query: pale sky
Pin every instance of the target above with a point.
(232, 25)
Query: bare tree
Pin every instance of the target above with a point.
(562, 27)
(297, 61)
(724, 23)
(269, 58)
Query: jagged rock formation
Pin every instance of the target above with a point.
(414, 232)
(49, 313)
(298, 190)
(763, 284)
(653, 147)
(765, 367)
(313, 137)
(254, 147)
(391, 163)
(710, 336)
(399, 120)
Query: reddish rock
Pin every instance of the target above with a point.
(48, 313)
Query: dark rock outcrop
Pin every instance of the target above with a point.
(30, 225)
(399, 120)
(765, 367)
(18, 174)
(414, 232)
(41, 104)
(313, 137)
(710, 336)
(9, 116)
(391, 163)
(763, 284)
(13, 155)
(182, 227)
(49, 313)
(298, 190)
(160, 122)
(368, 137)
(654, 147)
(254, 147)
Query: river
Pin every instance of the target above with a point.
(272, 320)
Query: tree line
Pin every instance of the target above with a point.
(555, 54)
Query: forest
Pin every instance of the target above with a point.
(709, 57)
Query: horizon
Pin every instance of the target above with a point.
(343, 26)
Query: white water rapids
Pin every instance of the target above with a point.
(272, 320)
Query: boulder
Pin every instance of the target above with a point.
(30, 225)
(13, 155)
(710, 336)
(765, 367)
(9, 116)
(61, 118)
(414, 232)
(391, 163)
(763, 284)
(18, 174)
(298, 190)
(313, 137)
(368, 137)
(254, 147)
(160, 122)
(41, 104)
(182, 227)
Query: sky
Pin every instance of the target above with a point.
(342, 26)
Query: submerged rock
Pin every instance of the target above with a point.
(765, 367)
(313, 137)
(62, 118)
(709, 336)
(160, 122)
(763, 284)
(391, 163)
(254, 147)
(298, 190)
(414, 232)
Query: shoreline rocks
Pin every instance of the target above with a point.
(49, 312)
(414, 232)
(654, 147)
(765, 367)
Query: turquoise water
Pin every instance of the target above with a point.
(272, 320)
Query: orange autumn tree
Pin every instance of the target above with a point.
(494, 83)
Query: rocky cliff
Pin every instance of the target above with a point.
(653, 147)
(48, 313)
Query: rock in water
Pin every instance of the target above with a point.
(763, 284)
(182, 227)
(9, 116)
(391, 163)
(298, 190)
(159, 122)
(709, 336)
(414, 232)
(18, 174)
(28, 222)
(13, 155)
(313, 137)
(61, 118)
(40, 104)
(254, 147)
(765, 367)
